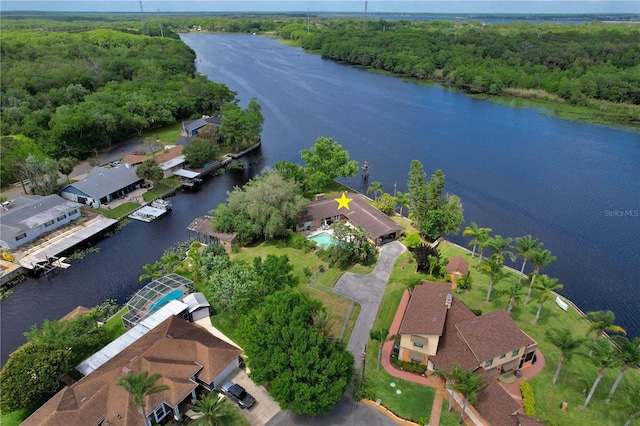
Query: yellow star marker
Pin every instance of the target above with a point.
(343, 201)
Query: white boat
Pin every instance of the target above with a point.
(161, 204)
(147, 213)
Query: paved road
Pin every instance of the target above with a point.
(368, 291)
(346, 412)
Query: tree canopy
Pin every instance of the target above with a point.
(305, 371)
(324, 162)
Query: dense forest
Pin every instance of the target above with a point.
(72, 84)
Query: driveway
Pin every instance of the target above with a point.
(368, 291)
(264, 408)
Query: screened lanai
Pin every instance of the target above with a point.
(154, 296)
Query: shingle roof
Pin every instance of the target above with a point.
(360, 213)
(495, 405)
(451, 348)
(191, 125)
(176, 349)
(458, 264)
(492, 334)
(29, 212)
(103, 181)
(426, 311)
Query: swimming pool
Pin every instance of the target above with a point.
(174, 295)
(323, 239)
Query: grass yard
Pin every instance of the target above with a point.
(167, 135)
(120, 211)
(414, 401)
(14, 418)
(114, 326)
(158, 190)
(576, 377)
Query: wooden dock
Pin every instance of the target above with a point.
(50, 249)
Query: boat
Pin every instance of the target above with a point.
(161, 204)
(147, 213)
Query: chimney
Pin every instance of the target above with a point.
(319, 197)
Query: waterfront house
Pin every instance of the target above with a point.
(201, 230)
(456, 268)
(191, 128)
(186, 355)
(28, 217)
(103, 185)
(324, 211)
(438, 330)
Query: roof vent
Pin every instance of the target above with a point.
(435, 319)
(492, 316)
(447, 302)
(125, 369)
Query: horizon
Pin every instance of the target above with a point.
(538, 7)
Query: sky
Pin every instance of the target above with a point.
(373, 6)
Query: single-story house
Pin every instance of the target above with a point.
(201, 230)
(457, 267)
(28, 217)
(437, 330)
(103, 185)
(324, 211)
(186, 356)
(191, 128)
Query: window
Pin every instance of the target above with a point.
(21, 236)
(416, 361)
(74, 211)
(48, 224)
(418, 345)
(61, 218)
(515, 352)
(488, 363)
(502, 356)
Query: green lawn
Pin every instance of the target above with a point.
(120, 211)
(576, 377)
(167, 135)
(14, 418)
(114, 326)
(414, 401)
(158, 190)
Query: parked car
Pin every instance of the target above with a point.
(238, 395)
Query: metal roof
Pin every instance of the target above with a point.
(29, 212)
(186, 173)
(130, 337)
(103, 181)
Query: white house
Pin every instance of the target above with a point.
(29, 217)
(103, 185)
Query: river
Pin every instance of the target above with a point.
(574, 186)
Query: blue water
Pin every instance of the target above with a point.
(516, 171)
(174, 295)
(323, 239)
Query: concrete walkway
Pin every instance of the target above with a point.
(368, 291)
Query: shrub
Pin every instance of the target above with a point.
(412, 240)
(528, 400)
(408, 366)
(297, 241)
(307, 271)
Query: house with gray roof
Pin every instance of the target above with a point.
(29, 217)
(324, 211)
(191, 128)
(103, 185)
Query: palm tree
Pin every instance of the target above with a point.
(152, 271)
(603, 321)
(209, 410)
(376, 188)
(628, 355)
(547, 286)
(483, 240)
(195, 260)
(523, 247)
(562, 339)
(139, 386)
(602, 356)
(171, 261)
(379, 335)
(500, 246)
(469, 387)
(630, 404)
(493, 267)
(322, 322)
(452, 377)
(402, 200)
(515, 292)
(475, 233)
(539, 258)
